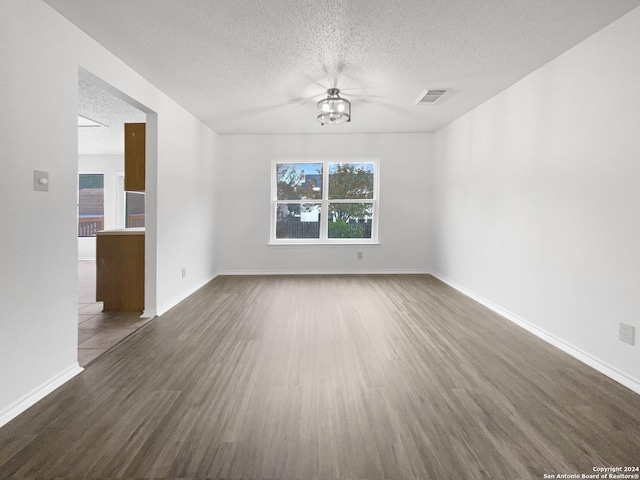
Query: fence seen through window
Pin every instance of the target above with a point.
(90, 204)
(325, 201)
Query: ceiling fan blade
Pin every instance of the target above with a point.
(362, 96)
(404, 110)
(334, 77)
(317, 82)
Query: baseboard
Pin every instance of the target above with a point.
(37, 394)
(576, 353)
(324, 272)
(176, 300)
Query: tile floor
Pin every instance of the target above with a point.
(98, 331)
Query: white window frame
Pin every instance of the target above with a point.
(120, 199)
(324, 203)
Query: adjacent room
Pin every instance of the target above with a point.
(107, 207)
(323, 239)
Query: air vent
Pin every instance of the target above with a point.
(429, 96)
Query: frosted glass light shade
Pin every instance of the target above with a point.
(334, 108)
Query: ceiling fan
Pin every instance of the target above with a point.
(334, 108)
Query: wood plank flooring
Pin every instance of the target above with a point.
(356, 377)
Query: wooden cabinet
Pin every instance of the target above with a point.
(120, 270)
(134, 156)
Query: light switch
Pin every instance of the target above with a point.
(40, 181)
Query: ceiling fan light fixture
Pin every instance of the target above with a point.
(334, 109)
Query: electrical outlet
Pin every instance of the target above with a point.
(184, 272)
(627, 333)
(359, 256)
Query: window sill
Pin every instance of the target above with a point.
(355, 243)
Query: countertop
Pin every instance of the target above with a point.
(122, 231)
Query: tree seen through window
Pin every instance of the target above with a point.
(346, 202)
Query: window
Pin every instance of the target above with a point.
(324, 201)
(90, 204)
(134, 209)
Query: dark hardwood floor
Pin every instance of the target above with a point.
(342, 377)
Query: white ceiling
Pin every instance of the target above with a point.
(100, 106)
(258, 66)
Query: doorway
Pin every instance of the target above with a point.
(103, 111)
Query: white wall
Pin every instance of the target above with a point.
(110, 166)
(537, 194)
(187, 229)
(41, 54)
(243, 202)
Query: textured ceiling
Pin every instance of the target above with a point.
(258, 66)
(102, 107)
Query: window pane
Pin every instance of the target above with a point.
(295, 220)
(299, 181)
(350, 220)
(350, 180)
(134, 216)
(90, 204)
